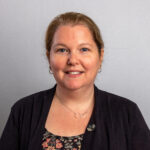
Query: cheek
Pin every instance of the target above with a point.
(92, 64)
(57, 63)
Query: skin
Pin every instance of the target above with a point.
(73, 49)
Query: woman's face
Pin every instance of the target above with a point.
(74, 58)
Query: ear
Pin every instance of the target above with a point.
(48, 55)
(101, 55)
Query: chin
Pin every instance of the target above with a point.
(73, 86)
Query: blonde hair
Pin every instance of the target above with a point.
(73, 18)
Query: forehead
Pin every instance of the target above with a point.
(73, 32)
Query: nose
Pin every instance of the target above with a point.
(73, 58)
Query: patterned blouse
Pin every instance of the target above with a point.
(55, 142)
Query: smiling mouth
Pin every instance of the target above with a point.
(74, 72)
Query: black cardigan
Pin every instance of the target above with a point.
(117, 124)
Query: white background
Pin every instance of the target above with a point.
(125, 27)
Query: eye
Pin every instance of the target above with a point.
(84, 49)
(62, 50)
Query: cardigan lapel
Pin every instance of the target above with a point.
(101, 137)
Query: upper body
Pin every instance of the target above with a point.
(75, 52)
(117, 124)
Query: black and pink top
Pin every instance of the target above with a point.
(55, 142)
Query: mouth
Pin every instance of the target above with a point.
(74, 72)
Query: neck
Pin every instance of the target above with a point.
(76, 99)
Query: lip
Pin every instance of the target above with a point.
(74, 73)
(67, 71)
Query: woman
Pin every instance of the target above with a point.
(75, 114)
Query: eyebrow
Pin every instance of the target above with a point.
(82, 44)
(61, 44)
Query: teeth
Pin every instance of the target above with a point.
(74, 72)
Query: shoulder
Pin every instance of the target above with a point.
(119, 109)
(28, 110)
(114, 102)
(123, 116)
(33, 100)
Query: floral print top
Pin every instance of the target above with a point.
(55, 142)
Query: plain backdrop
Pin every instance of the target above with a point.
(125, 27)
